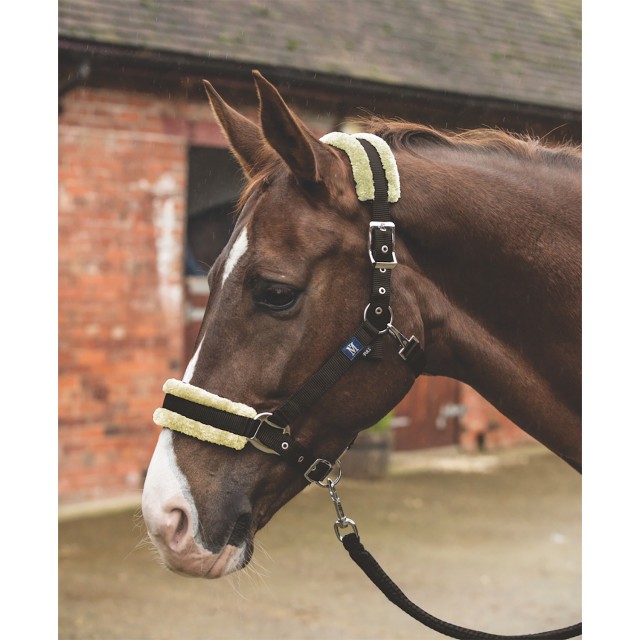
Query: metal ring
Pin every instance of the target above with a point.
(328, 482)
(345, 524)
(390, 318)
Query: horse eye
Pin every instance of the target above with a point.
(276, 297)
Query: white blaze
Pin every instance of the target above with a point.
(237, 251)
(191, 367)
(166, 487)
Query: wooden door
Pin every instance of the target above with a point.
(428, 414)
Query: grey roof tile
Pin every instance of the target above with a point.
(524, 50)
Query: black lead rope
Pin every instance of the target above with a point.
(377, 575)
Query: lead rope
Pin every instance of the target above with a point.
(377, 575)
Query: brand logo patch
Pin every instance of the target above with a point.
(352, 348)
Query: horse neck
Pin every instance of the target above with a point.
(493, 245)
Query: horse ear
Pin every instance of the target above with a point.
(245, 137)
(287, 134)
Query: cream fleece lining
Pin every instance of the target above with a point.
(360, 162)
(176, 422)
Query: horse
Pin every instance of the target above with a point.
(487, 281)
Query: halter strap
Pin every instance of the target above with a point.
(199, 414)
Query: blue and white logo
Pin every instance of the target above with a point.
(352, 348)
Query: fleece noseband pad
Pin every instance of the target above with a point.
(171, 420)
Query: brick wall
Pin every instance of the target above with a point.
(122, 179)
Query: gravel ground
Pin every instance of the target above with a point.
(490, 541)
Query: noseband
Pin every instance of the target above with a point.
(211, 418)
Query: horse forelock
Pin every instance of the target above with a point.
(268, 169)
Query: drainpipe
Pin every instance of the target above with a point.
(74, 79)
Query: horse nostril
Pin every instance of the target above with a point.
(177, 527)
(240, 530)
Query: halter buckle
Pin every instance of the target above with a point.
(261, 419)
(384, 227)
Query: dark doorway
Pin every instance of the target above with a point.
(215, 182)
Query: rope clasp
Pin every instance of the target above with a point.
(342, 522)
(408, 346)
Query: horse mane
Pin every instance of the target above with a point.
(412, 137)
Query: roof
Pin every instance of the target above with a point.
(522, 50)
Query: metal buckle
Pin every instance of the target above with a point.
(262, 418)
(383, 226)
(328, 466)
(342, 522)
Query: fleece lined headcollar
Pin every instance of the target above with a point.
(362, 173)
(203, 415)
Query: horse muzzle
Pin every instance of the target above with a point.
(172, 522)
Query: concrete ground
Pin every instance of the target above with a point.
(490, 541)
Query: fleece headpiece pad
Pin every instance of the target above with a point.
(362, 174)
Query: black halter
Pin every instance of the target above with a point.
(270, 432)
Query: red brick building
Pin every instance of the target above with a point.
(144, 174)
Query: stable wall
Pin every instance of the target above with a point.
(122, 206)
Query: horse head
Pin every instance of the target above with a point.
(287, 290)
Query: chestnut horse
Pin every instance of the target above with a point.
(488, 244)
